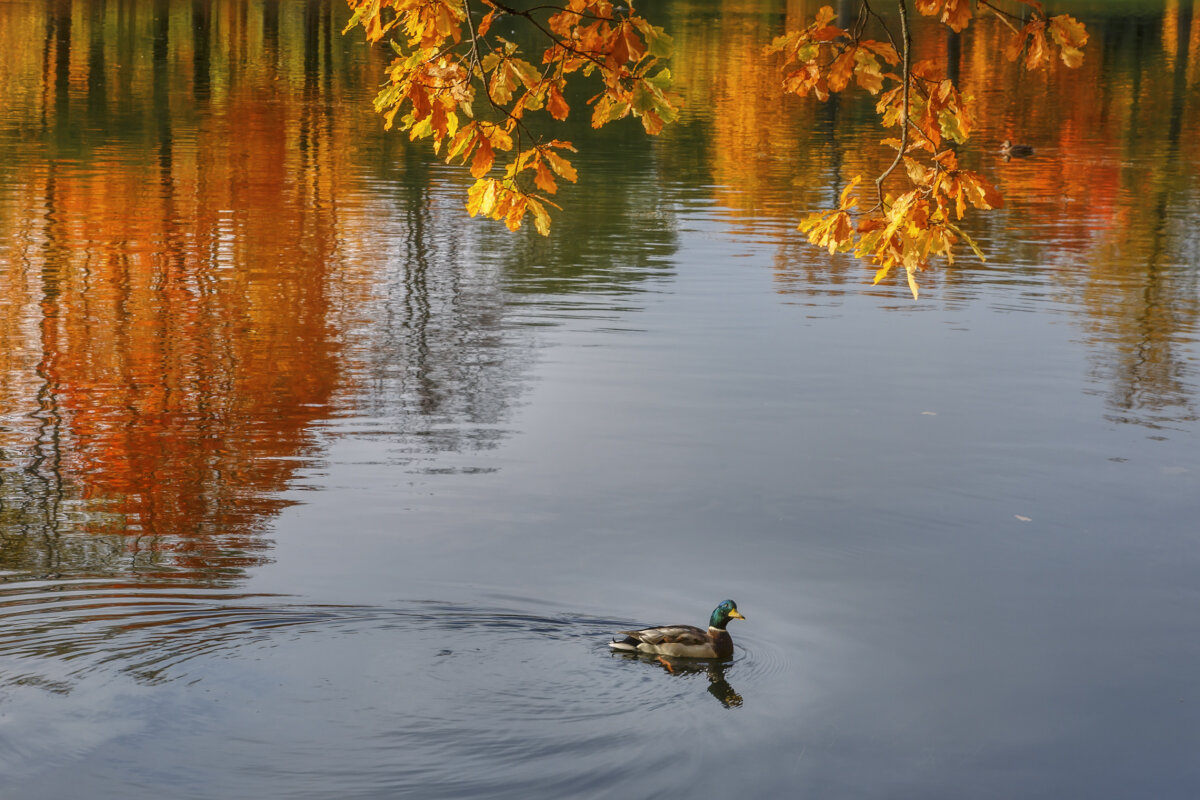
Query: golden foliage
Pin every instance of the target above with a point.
(922, 222)
(447, 59)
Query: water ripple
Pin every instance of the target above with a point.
(153, 632)
(452, 698)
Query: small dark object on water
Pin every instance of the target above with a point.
(1010, 150)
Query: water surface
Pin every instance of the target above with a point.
(311, 486)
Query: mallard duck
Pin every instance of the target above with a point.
(684, 641)
(1010, 150)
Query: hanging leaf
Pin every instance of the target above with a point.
(561, 166)
(1070, 35)
(483, 160)
(556, 104)
(444, 65)
(545, 179)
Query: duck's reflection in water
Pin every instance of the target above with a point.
(713, 669)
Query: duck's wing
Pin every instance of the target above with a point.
(685, 635)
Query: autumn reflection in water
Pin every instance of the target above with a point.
(190, 245)
(194, 277)
(280, 424)
(1099, 222)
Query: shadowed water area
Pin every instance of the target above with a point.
(311, 486)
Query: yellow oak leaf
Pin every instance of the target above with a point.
(485, 24)
(556, 104)
(1070, 35)
(560, 165)
(841, 70)
(957, 15)
(544, 179)
(484, 157)
(541, 218)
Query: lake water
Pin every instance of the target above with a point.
(313, 487)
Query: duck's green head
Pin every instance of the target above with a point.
(723, 613)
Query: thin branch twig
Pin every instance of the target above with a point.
(906, 36)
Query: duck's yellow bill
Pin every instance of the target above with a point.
(735, 615)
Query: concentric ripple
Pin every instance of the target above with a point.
(424, 689)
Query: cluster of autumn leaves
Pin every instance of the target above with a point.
(908, 228)
(470, 91)
(449, 63)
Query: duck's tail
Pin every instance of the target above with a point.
(626, 645)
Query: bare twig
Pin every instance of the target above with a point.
(906, 57)
(882, 23)
(528, 14)
(1005, 16)
(476, 62)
